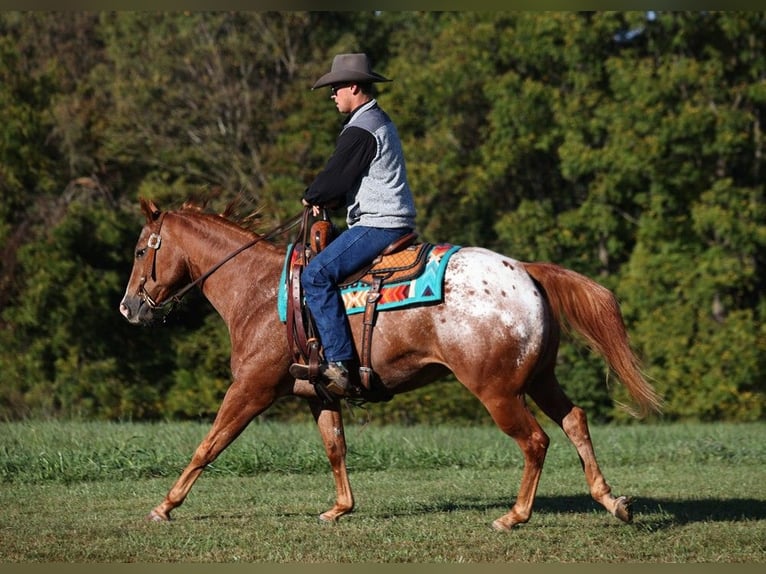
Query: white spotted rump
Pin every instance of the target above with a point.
(485, 289)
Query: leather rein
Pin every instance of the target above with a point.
(155, 241)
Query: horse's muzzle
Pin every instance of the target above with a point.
(136, 311)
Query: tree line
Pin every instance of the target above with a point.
(628, 146)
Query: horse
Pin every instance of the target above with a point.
(497, 329)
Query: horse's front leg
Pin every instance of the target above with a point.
(241, 405)
(330, 423)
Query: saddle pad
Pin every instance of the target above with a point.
(426, 288)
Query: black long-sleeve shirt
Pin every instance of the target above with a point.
(354, 151)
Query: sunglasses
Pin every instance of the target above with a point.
(334, 89)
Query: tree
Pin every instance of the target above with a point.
(625, 145)
(695, 279)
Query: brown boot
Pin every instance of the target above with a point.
(336, 374)
(337, 377)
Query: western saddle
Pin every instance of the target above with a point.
(402, 260)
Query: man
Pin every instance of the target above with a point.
(367, 174)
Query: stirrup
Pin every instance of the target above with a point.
(301, 371)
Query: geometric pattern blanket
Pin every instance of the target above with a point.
(426, 288)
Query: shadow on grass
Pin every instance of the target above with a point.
(648, 513)
(662, 513)
(652, 513)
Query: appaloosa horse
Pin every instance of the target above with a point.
(497, 329)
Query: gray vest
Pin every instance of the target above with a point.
(383, 198)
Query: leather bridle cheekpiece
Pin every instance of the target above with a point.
(155, 242)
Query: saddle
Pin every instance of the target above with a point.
(402, 260)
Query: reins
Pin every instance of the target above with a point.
(154, 244)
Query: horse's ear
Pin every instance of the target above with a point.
(151, 211)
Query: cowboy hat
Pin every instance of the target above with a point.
(349, 68)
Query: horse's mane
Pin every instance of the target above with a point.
(239, 214)
(232, 213)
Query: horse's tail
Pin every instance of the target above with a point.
(592, 310)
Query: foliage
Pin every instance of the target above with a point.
(625, 145)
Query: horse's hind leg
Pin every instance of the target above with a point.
(550, 397)
(513, 417)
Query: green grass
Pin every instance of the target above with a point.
(78, 492)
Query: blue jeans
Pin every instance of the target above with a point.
(349, 252)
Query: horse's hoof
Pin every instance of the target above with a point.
(623, 508)
(500, 526)
(327, 518)
(155, 516)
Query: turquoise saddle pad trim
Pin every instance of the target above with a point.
(426, 288)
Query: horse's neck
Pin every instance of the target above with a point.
(247, 278)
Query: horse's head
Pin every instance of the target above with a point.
(158, 270)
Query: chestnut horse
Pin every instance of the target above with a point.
(497, 329)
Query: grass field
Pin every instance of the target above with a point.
(79, 492)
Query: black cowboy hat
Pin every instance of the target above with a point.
(349, 68)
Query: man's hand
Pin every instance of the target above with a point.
(314, 208)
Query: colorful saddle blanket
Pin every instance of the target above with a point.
(426, 288)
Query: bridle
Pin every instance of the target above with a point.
(155, 242)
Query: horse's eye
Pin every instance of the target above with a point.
(140, 253)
